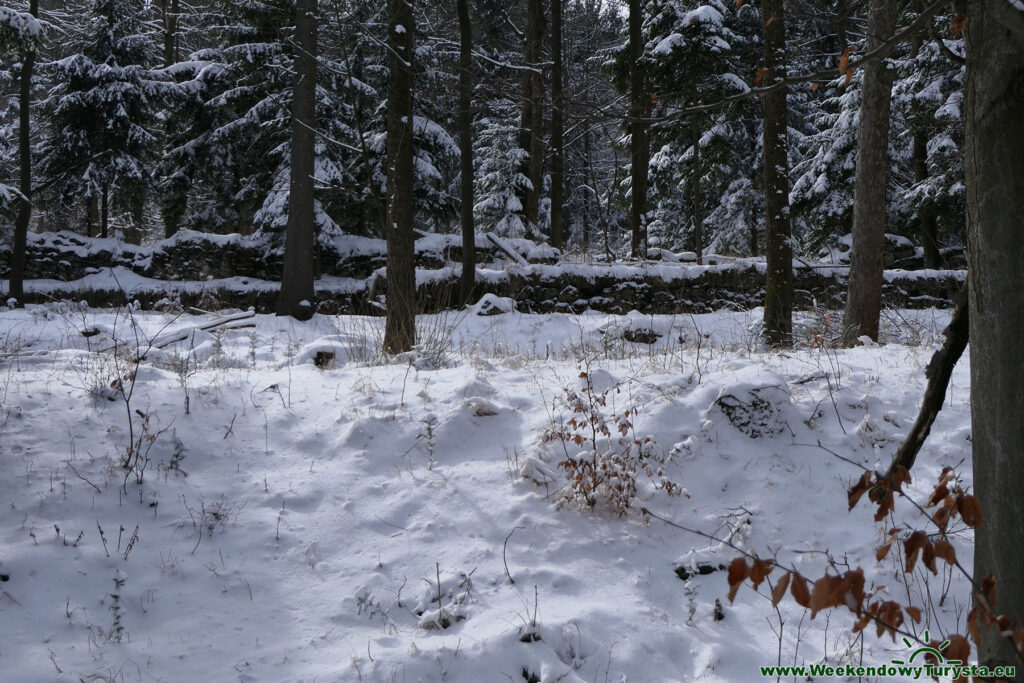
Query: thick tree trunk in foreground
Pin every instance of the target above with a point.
(778, 299)
(864, 287)
(557, 151)
(994, 122)
(297, 295)
(468, 280)
(400, 321)
(24, 217)
(639, 146)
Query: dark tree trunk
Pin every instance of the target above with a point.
(778, 299)
(842, 16)
(92, 215)
(468, 280)
(105, 213)
(639, 145)
(169, 10)
(928, 226)
(994, 167)
(400, 322)
(24, 217)
(864, 287)
(532, 124)
(297, 293)
(557, 151)
(695, 200)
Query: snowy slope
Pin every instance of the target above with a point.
(294, 524)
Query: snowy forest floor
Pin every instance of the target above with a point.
(295, 521)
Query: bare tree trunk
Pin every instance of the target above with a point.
(20, 247)
(169, 10)
(778, 300)
(297, 293)
(639, 145)
(468, 280)
(994, 166)
(530, 131)
(400, 322)
(864, 287)
(695, 207)
(842, 16)
(927, 225)
(557, 150)
(105, 213)
(92, 213)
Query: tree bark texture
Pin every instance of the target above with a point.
(927, 224)
(778, 299)
(557, 150)
(24, 217)
(695, 199)
(169, 11)
(994, 169)
(864, 287)
(468, 280)
(400, 319)
(297, 294)
(531, 127)
(639, 145)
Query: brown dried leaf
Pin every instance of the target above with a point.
(885, 506)
(769, 22)
(941, 517)
(901, 476)
(844, 61)
(762, 73)
(814, 86)
(912, 546)
(798, 589)
(958, 23)
(944, 551)
(928, 558)
(739, 3)
(761, 569)
(884, 549)
(859, 489)
(780, 589)
(938, 494)
(861, 622)
(851, 591)
(973, 628)
(958, 648)
(988, 593)
(889, 618)
(970, 510)
(738, 570)
(914, 613)
(825, 593)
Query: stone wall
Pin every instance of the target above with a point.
(214, 271)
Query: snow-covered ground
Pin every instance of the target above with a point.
(294, 523)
